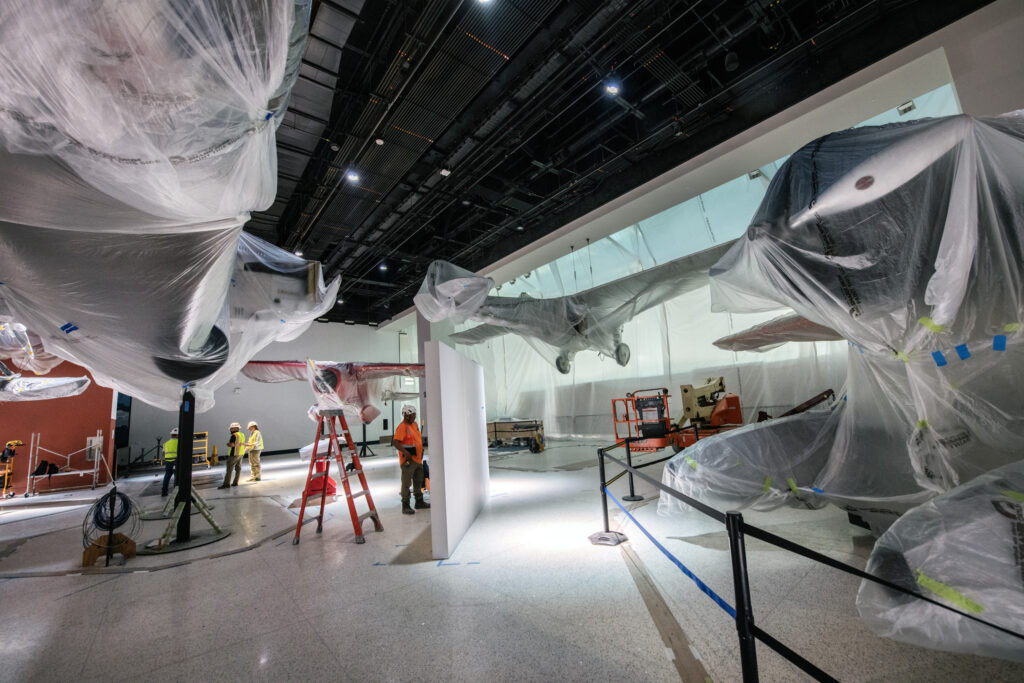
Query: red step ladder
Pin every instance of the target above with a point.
(320, 467)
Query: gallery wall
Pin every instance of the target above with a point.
(280, 409)
(456, 420)
(63, 425)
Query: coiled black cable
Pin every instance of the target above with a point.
(101, 514)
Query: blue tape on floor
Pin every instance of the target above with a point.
(940, 360)
(999, 342)
(963, 352)
(729, 609)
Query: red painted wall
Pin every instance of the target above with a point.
(63, 425)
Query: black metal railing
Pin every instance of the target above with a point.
(747, 630)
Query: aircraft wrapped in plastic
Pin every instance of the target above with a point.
(908, 241)
(559, 327)
(963, 548)
(134, 141)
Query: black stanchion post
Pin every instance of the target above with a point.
(604, 496)
(186, 426)
(629, 461)
(744, 611)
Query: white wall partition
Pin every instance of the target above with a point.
(457, 438)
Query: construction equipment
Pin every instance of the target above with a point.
(519, 433)
(643, 414)
(707, 410)
(319, 483)
(7, 466)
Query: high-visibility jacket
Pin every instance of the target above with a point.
(171, 449)
(236, 442)
(409, 435)
(255, 442)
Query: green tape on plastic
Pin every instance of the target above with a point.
(922, 424)
(931, 324)
(792, 486)
(1012, 327)
(1013, 495)
(949, 593)
(767, 485)
(901, 356)
(690, 461)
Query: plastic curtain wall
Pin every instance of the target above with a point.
(671, 344)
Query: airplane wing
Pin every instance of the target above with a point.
(773, 333)
(479, 334)
(615, 303)
(288, 370)
(17, 388)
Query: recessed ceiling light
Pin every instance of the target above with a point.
(379, 141)
(612, 88)
(373, 324)
(298, 252)
(341, 301)
(353, 176)
(465, 202)
(519, 228)
(906, 107)
(350, 322)
(446, 172)
(334, 147)
(383, 266)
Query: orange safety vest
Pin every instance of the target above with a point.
(409, 435)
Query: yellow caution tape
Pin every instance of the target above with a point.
(767, 485)
(792, 486)
(931, 324)
(901, 356)
(1013, 495)
(949, 593)
(690, 461)
(1012, 327)
(922, 424)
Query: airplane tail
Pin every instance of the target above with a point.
(449, 291)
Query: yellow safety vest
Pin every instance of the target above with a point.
(171, 450)
(255, 441)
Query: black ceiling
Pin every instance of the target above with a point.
(510, 96)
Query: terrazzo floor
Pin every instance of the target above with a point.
(525, 597)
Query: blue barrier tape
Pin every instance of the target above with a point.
(940, 359)
(999, 342)
(729, 609)
(963, 352)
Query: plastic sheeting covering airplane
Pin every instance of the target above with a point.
(559, 327)
(131, 152)
(965, 549)
(908, 241)
(14, 387)
(25, 349)
(358, 386)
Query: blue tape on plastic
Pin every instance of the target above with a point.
(940, 360)
(963, 352)
(729, 609)
(817, 490)
(999, 342)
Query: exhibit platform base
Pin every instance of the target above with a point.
(200, 538)
(166, 511)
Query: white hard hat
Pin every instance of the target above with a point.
(235, 425)
(408, 409)
(174, 432)
(252, 423)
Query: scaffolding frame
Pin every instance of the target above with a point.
(35, 448)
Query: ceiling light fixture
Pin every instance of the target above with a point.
(353, 176)
(732, 61)
(465, 202)
(298, 252)
(519, 228)
(383, 266)
(334, 147)
(341, 301)
(612, 88)
(446, 172)
(379, 141)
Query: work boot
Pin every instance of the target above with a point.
(422, 504)
(223, 486)
(406, 510)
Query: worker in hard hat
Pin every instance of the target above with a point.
(254, 446)
(236, 449)
(409, 444)
(170, 461)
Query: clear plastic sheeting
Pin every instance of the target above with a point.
(764, 466)
(908, 240)
(25, 349)
(17, 388)
(963, 548)
(355, 388)
(559, 327)
(134, 140)
(775, 332)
